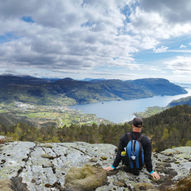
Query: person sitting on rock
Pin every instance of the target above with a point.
(135, 150)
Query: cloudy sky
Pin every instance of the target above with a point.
(124, 39)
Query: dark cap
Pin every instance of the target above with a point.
(138, 122)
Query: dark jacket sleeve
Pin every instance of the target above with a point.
(147, 154)
(120, 149)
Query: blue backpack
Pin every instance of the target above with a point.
(135, 153)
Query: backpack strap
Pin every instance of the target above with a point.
(130, 162)
(141, 160)
(140, 138)
(133, 149)
(129, 136)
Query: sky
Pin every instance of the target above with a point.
(111, 39)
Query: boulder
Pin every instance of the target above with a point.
(2, 139)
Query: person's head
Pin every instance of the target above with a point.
(137, 124)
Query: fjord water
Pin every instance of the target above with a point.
(121, 111)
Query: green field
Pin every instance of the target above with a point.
(150, 111)
(39, 115)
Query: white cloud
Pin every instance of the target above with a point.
(66, 34)
(174, 11)
(160, 49)
(180, 51)
(83, 35)
(164, 49)
(153, 26)
(180, 65)
(183, 46)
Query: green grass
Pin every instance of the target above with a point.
(3, 110)
(39, 114)
(45, 114)
(150, 111)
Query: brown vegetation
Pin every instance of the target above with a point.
(85, 178)
(182, 185)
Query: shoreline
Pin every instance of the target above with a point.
(98, 108)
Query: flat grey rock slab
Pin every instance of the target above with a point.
(43, 166)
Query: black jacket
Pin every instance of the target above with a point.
(146, 143)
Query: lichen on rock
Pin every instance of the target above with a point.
(45, 167)
(145, 186)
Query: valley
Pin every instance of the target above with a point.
(43, 116)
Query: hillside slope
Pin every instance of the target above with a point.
(68, 91)
(171, 127)
(182, 101)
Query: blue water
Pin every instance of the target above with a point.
(121, 111)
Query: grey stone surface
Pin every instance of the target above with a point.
(2, 137)
(43, 166)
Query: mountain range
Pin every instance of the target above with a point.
(69, 91)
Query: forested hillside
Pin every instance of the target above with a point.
(68, 91)
(182, 101)
(171, 127)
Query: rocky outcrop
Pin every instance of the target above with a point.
(46, 167)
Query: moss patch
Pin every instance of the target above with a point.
(5, 185)
(15, 184)
(47, 156)
(87, 178)
(182, 185)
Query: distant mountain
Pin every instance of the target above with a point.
(92, 79)
(159, 86)
(181, 101)
(51, 79)
(69, 91)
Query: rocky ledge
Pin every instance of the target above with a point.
(52, 166)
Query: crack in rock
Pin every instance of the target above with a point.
(76, 149)
(26, 160)
(57, 184)
(16, 183)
